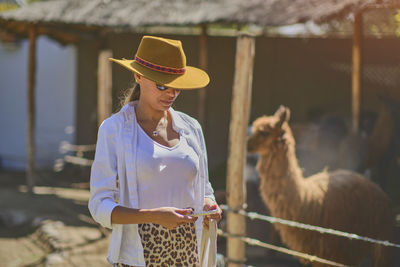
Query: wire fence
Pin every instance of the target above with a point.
(254, 215)
(255, 242)
(77, 158)
(66, 147)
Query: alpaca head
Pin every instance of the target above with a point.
(269, 132)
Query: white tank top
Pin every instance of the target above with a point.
(165, 175)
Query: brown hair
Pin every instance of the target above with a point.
(131, 94)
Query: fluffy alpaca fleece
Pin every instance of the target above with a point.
(341, 200)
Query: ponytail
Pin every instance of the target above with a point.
(131, 94)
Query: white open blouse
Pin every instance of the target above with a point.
(166, 176)
(115, 158)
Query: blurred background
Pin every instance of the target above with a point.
(56, 86)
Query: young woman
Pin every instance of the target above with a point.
(150, 169)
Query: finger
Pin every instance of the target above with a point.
(205, 223)
(207, 207)
(218, 214)
(216, 217)
(184, 211)
(206, 219)
(187, 219)
(210, 207)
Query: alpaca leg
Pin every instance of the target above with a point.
(383, 256)
(317, 264)
(274, 239)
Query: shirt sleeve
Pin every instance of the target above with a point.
(209, 191)
(103, 177)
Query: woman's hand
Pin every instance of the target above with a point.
(209, 204)
(172, 217)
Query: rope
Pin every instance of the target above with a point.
(255, 242)
(253, 215)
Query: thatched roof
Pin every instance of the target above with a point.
(134, 13)
(130, 14)
(287, 12)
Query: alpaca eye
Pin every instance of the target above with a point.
(264, 133)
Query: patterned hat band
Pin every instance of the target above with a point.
(159, 67)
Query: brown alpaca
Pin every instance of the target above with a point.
(341, 200)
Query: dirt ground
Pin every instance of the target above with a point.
(53, 227)
(49, 228)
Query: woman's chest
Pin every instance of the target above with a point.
(156, 162)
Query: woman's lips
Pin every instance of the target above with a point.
(167, 102)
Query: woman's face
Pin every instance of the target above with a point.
(157, 99)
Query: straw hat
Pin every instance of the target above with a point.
(164, 62)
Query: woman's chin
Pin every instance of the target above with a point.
(165, 105)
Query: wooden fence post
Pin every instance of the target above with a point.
(104, 86)
(202, 93)
(356, 73)
(31, 147)
(240, 113)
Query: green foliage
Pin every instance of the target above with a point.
(397, 19)
(7, 6)
(10, 6)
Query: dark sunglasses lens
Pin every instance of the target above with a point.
(161, 87)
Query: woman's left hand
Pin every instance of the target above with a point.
(209, 204)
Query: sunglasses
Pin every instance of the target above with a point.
(161, 87)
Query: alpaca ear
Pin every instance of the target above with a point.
(283, 113)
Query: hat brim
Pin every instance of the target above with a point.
(193, 78)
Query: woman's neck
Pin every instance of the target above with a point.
(145, 113)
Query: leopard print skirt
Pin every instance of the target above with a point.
(163, 247)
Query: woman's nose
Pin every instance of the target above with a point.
(173, 92)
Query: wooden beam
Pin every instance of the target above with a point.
(202, 97)
(104, 86)
(31, 147)
(62, 36)
(357, 73)
(240, 113)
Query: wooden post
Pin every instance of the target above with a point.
(357, 72)
(202, 97)
(104, 86)
(31, 148)
(240, 111)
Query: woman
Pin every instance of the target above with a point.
(150, 168)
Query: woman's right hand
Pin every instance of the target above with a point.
(172, 217)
